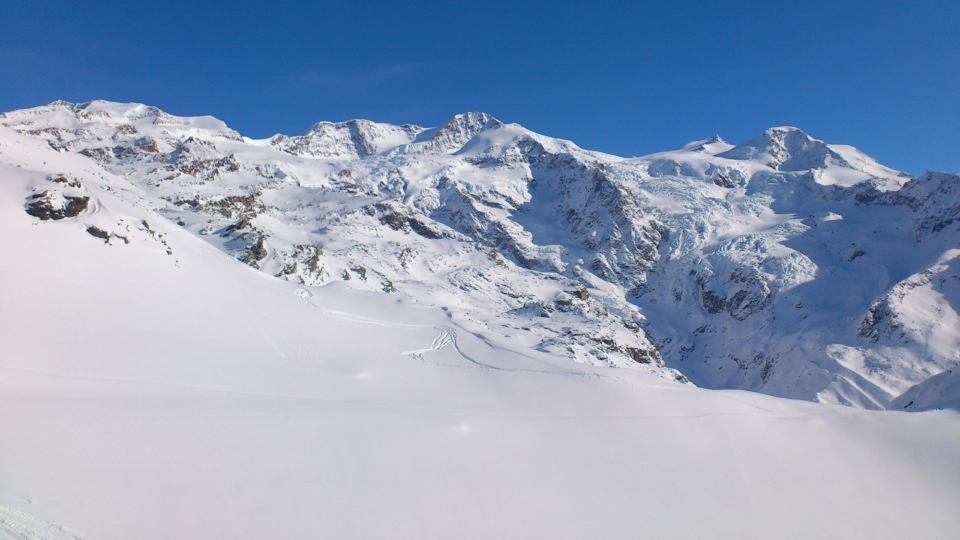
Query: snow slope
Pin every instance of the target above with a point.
(153, 387)
(938, 392)
(781, 265)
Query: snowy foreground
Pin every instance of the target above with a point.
(152, 386)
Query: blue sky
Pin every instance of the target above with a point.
(627, 78)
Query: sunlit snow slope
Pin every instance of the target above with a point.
(152, 386)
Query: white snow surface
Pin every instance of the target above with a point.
(938, 392)
(459, 383)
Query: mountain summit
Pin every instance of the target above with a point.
(789, 149)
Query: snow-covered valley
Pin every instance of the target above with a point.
(468, 331)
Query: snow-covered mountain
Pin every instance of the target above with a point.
(397, 332)
(784, 265)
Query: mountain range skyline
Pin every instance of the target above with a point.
(625, 78)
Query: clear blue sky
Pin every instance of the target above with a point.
(627, 78)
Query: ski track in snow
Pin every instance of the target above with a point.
(17, 525)
(444, 337)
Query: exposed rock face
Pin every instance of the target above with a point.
(196, 158)
(456, 133)
(45, 206)
(67, 200)
(97, 232)
(355, 139)
(784, 265)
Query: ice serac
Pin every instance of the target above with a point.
(784, 265)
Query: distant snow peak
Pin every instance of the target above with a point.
(363, 138)
(464, 127)
(711, 145)
(351, 139)
(460, 129)
(786, 149)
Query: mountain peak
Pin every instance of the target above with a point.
(786, 129)
(784, 148)
(352, 138)
(790, 149)
(475, 118)
(710, 145)
(470, 123)
(460, 129)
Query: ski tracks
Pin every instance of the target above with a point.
(17, 525)
(445, 336)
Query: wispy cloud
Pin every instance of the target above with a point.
(365, 75)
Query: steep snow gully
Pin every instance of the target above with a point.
(471, 330)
